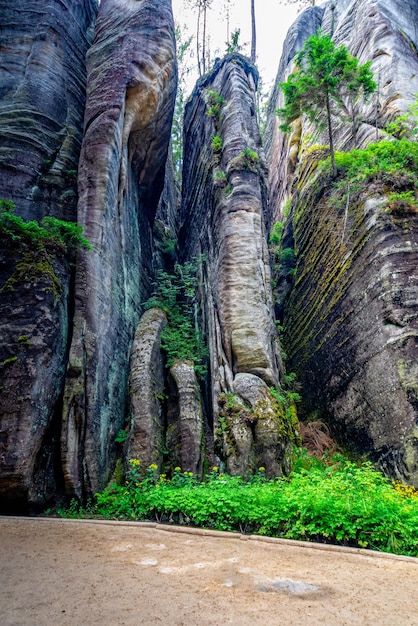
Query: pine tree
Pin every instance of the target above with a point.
(327, 79)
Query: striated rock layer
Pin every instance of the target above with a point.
(42, 96)
(351, 316)
(224, 218)
(130, 101)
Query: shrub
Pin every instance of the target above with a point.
(333, 502)
(176, 295)
(216, 143)
(215, 102)
(52, 234)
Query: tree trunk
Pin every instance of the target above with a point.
(331, 139)
(199, 67)
(204, 40)
(253, 32)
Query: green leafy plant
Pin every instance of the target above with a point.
(276, 234)
(327, 79)
(122, 436)
(246, 160)
(38, 244)
(332, 501)
(403, 202)
(220, 178)
(52, 233)
(10, 360)
(216, 144)
(176, 295)
(405, 126)
(215, 103)
(233, 46)
(391, 167)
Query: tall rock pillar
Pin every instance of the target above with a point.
(42, 98)
(130, 102)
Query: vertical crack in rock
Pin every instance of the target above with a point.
(130, 101)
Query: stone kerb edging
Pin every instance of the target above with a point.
(221, 534)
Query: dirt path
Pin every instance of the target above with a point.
(58, 572)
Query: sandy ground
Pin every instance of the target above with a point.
(83, 573)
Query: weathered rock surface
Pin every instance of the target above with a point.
(147, 390)
(42, 98)
(130, 101)
(224, 217)
(184, 438)
(382, 31)
(351, 325)
(350, 319)
(33, 329)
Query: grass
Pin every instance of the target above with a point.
(332, 501)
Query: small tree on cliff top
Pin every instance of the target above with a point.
(326, 78)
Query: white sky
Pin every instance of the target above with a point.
(272, 18)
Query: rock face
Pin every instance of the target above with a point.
(185, 419)
(147, 390)
(130, 101)
(42, 96)
(350, 318)
(34, 323)
(224, 218)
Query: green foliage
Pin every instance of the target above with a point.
(176, 295)
(276, 234)
(247, 159)
(215, 103)
(403, 202)
(51, 234)
(405, 126)
(216, 143)
(10, 360)
(122, 436)
(250, 158)
(234, 45)
(391, 167)
(332, 501)
(38, 244)
(328, 79)
(220, 178)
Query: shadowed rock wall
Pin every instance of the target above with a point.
(130, 101)
(350, 318)
(42, 97)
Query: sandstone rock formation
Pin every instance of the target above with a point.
(130, 100)
(184, 438)
(224, 218)
(42, 95)
(147, 390)
(350, 318)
